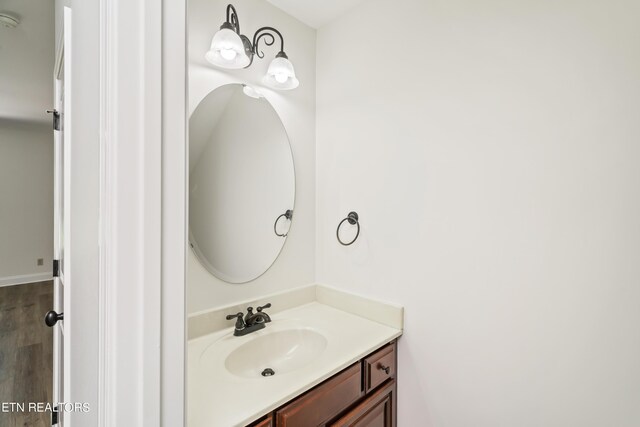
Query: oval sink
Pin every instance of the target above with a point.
(281, 351)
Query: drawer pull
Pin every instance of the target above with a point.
(386, 369)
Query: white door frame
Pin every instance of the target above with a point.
(143, 159)
(128, 212)
(173, 35)
(127, 305)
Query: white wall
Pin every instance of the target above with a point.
(491, 149)
(295, 265)
(26, 201)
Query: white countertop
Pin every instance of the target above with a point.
(218, 398)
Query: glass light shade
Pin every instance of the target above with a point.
(281, 74)
(227, 50)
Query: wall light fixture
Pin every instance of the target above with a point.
(233, 50)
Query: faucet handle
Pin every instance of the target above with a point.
(239, 321)
(268, 305)
(233, 316)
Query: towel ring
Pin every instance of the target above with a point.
(287, 215)
(352, 218)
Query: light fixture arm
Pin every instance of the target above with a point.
(232, 18)
(266, 33)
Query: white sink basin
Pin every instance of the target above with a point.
(282, 351)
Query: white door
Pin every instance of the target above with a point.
(61, 193)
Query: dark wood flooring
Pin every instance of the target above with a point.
(26, 351)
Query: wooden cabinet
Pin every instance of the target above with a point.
(363, 395)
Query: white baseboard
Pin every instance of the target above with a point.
(25, 278)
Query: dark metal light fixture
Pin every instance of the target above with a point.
(233, 50)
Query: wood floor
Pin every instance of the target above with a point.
(26, 351)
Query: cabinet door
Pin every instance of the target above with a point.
(376, 410)
(324, 402)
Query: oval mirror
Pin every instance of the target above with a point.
(241, 184)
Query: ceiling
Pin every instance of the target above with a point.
(26, 61)
(316, 13)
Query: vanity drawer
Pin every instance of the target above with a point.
(379, 367)
(324, 402)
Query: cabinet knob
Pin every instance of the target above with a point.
(386, 369)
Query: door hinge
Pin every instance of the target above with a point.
(56, 268)
(54, 416)
(56, 119)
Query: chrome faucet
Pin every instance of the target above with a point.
(250, 322)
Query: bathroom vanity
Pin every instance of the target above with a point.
(329, 360)
(362, 395)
